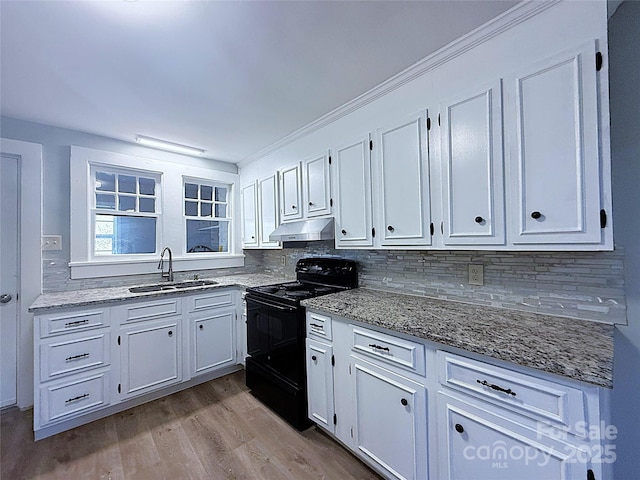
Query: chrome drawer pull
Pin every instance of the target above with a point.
(77, 322)
(76, 357)
(508, 391)
(75, 399)
(378, 347)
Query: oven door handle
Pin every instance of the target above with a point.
(261, 301)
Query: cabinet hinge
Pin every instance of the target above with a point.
(598, 61)
(351, 432)
(329, 159)
(603, 218)
(431, 228)
(333, 361)
(373, 232)
(370, 144)
(118, 339)
(349, 369)
(428, 123)
(119, 388)
(442, 228)
(438, 119)
(590, 475)
(335, 419)
(331, 202)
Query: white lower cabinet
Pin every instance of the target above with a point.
(151, 356)
(213, 340)
(390, 426)
(479, 445)
(90, 362)
(320, 383)
(411, 410)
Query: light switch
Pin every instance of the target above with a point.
(52, 242)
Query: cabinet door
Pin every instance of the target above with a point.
(268, 208)
(555, 164)
(477, 445)
(390, 421)
(214, 344)
(403, 172)
(151, 356)
(290, 193)
(249, 216)
(320, 384)
(353, 194)
(316, 185)
(472, 168)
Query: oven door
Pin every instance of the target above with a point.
(275, 338)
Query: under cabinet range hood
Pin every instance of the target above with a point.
(304, 230)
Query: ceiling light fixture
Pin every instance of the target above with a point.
(164, 145)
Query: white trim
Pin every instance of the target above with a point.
(30, 165)
(509, 19)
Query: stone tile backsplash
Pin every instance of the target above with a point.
(587, 285)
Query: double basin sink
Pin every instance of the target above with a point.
(160, 287)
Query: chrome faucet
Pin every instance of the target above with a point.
(169, 274)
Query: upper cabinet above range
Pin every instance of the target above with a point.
(305, 190)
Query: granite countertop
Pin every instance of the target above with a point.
(93, 296)
(578, 349)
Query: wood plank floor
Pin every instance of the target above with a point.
(216, 430)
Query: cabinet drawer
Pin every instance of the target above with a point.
(319, 325)
(389, 349)
(208, 301)
(72, 354)
(523, 393)
(151, 310)
(57, 323)
(74, 397)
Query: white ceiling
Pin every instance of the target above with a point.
(229, 77)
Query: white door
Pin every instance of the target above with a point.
(472, 168)
(8, 279)
(268, 210)
(214, 342)
(403, 170)
(290, 193)
(555, 162)
(316, 185)
(353, 194)
(390, 422)
(320, 384)
(249, 217)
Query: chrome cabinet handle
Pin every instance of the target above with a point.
(497, 388)
(5, 298)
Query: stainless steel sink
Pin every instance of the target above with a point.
(158, 287)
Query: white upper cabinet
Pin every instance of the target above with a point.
(268, 210)
(259, 213)
(403, 192)
(316, 185)
(472, 168)
(291, 193)
(555, 168)
(353, 194)
(249, 216)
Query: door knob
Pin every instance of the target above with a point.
(459, 428)
(5, 298)
(479, 219)
(404, 402)
(536, 215)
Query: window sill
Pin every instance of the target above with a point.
(117, 268)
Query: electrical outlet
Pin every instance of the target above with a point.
(283, 260)
(52, 242)
(476, 274)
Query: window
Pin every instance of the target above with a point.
(126, 208)
(125, 212)
(207, 217)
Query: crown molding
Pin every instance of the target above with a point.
(509, 19)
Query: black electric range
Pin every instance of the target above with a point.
(275, 368)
